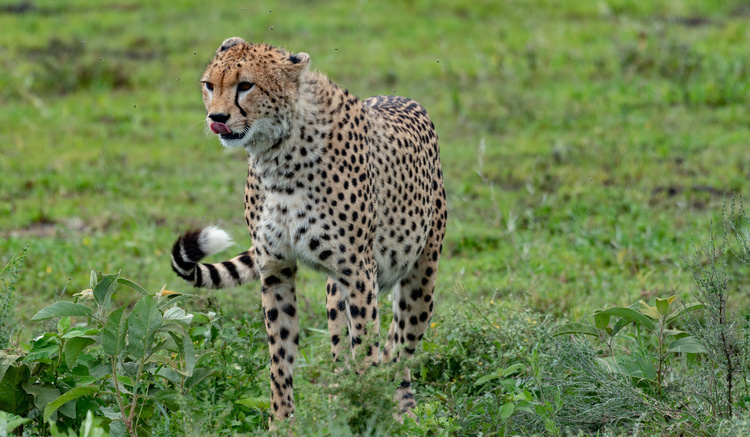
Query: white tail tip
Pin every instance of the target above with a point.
(213, 240)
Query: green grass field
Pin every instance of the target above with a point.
(586, 146)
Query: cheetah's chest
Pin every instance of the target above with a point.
(292, 227)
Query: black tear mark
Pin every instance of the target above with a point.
(237, 102)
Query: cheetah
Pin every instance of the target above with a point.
(352, 188)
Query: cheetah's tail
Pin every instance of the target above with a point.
(193, 246)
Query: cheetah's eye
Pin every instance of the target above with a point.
(209, 86)
(245, 86)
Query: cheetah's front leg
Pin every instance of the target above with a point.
(282, 325)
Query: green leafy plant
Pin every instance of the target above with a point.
(237, 402)
(509, 395)
(644, 354)
(142, 361)
(90, 427)
(9, 422)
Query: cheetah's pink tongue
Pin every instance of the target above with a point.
(220, 128)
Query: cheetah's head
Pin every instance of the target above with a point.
(250, 91)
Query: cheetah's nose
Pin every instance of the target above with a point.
(220, 128)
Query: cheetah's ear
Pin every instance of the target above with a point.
(297, 62)
(229, 42)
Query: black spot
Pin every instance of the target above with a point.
(272, 280)
(272, 315)
(325, 254)
(413, 320)
(284, 333)
(332, 314)
(289, 309)
(416, 293)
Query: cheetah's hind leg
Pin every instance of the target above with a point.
(412, 309)
(337, 310)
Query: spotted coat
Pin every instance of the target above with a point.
(352, 188)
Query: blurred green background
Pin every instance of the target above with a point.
(585, 144)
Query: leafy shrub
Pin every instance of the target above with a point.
(668, 367)
(236, 401)
(124, 366)
(646, 356)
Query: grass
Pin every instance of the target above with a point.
(584, 144)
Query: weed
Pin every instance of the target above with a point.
(724, 338)
(9, 276)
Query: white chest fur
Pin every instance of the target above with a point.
(292, 226)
